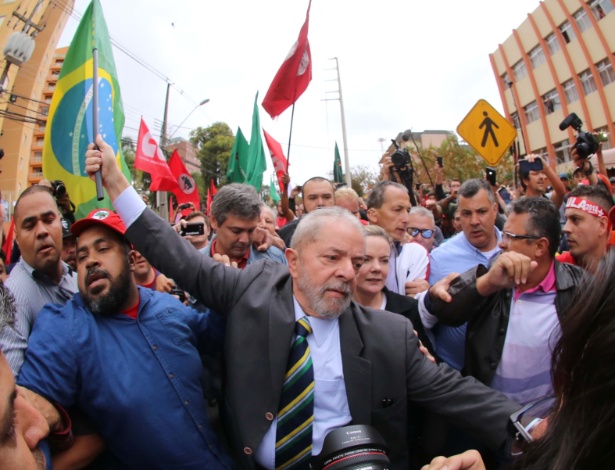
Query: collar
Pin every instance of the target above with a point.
(38, 275)
(243, 261)
(546, 285)
(321, 328)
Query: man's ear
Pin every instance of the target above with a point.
(372, 216)
(292, 257)
(542, 248)
(213, 223)
(132, 259)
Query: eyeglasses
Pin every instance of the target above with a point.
(513, 236)
(523, 421)
(425, 232)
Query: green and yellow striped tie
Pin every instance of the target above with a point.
(293, 447)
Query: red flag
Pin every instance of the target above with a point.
(8, 241)
(149, 158)
(186, 188)
(277, 157)
(211, 192)
(294, 75)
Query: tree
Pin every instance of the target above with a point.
(459, 161)
(213, 144)
(362, 179)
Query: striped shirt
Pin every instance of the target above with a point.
(32, 290)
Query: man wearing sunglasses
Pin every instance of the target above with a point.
(514, 307)
(422, 228)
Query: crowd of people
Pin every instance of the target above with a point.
(240, 338)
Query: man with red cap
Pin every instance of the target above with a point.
(588, 227)
(128, 357)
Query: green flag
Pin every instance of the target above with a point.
(338, 175)
(273, 192)
(238, 160)
(257, 163)
(69, 124)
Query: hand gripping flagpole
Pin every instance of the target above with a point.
(100, 195)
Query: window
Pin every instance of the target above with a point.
(567, 32)
(605, 69)
(519, 70)
(562, 154)
(570, 89)
(516, 122)
(601, 8)
(40, 141)
(552, 43)
(582, 20)
(505, 79)
(537, 56)
(551, 101)
(531, 112)
(588, 82)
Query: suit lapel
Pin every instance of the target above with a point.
(357, 370)
(281, 330)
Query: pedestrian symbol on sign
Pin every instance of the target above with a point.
(488, 124)
(487, 132)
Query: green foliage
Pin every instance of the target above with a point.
(213, 144)
(362, 179)
(200, 184)
(459, 161)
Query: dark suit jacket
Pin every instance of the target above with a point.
(380, 355)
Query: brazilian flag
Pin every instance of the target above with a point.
(69, 124)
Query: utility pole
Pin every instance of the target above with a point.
(161, 196)
(341, 100)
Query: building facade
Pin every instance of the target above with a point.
(557, 62)
(28, 93)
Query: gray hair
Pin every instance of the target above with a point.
(236, 199)
(422, 211)
(471, 188)
(376, 197)
(271, 211)
(310, 226)
(375, 231)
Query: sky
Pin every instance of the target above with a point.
(402, 65)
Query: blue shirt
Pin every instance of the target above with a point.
(457, 255)
(138, 381)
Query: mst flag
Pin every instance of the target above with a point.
(238, 160)
(149, 158)
(187, 190)
(280, 165)
(294, 75)
(257, 164)
(69, 125)
(338, 174)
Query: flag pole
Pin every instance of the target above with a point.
(292, 116)
(100, 195)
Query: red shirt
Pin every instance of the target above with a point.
(133, 311)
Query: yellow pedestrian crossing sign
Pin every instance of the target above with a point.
(487, 132)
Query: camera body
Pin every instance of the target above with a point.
(403, 164)
(586, 144)
(59, 189)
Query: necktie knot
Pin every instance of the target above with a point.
(303, 327)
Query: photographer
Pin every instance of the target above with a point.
(534, 183)
(58, 190)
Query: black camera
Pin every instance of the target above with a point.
(179, 293)
(403, 164)
(586, 145)
(59, 189)
(352, 447)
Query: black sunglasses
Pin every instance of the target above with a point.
(425, 232)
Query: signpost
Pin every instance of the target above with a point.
(487, 132)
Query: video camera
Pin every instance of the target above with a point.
(586, 144)
(403, 165)
(59, 189)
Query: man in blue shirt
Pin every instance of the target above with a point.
(478, 244)
(127, 357)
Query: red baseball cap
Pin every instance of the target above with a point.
(102, 217)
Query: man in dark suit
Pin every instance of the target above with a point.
(366, 363)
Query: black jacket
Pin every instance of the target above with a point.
(488, 317)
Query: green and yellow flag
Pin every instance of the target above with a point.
(69, 125)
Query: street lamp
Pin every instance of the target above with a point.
(205, 101)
